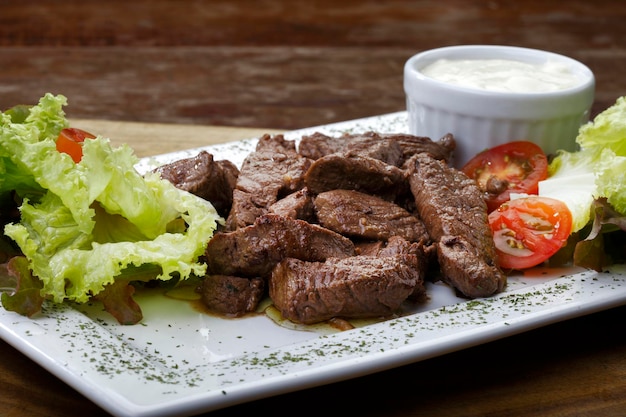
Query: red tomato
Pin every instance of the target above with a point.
(70, 142)
(514, 167)
(527, 231)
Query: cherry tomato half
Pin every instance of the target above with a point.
(527, 231)
(70, 142)
(514, 167)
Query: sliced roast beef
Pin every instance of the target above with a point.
(455, 214)
(275, 143)
(418, 255)
(360, 173)
(317, 145)
(357, 286)
(368, 247)
(274, 170)
(392, 148)
(203, 176)
(372, 145)
(355, 214)
(397, 245)
(232, 296)
(298, 205)
(253, 251)
(442, 149)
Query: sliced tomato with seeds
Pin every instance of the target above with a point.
(70, 141)
(514, 167)
(527, 231)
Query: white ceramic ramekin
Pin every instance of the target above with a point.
(480, 119)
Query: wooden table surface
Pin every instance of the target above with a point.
(240, 68)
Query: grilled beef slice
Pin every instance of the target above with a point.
(298, 205)
(253, 251)
(275, 143)
(272, 171)
(355, 214)
(372, 145)
(455, 214)
(417, 255)
(318, 145)
(232, 296)
(359, 173)
(357, 286)
(203, 176)
(413, 145)
(392, 148)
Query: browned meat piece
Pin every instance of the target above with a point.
(358, 286)
(368, 247)
(232, 296)
(272, 171)
(318, 145)
(392, 148)
(368, 175)
(455, 215)
(355, 214)
(298, 205)
(245, 209)
(253, 251)
(275, 143)
(418, 255)
(396, 245)
(201, 175)
(413, 145)
(372, 145)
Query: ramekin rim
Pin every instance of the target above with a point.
(587, 80)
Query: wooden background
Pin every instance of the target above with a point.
(269, 63)
(287, 64)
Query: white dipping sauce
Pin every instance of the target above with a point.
(503, 75)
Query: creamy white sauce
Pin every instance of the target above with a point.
(503, 75)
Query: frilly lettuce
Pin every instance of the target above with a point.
(592, 182)
(608, 133)
(597, 170)
(608, 129)
(611, 180)
(85, 226)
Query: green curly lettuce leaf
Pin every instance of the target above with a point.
(607, 130)
(86, 226)
(592, 183)
(597, 170)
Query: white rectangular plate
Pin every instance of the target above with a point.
(181, 361)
